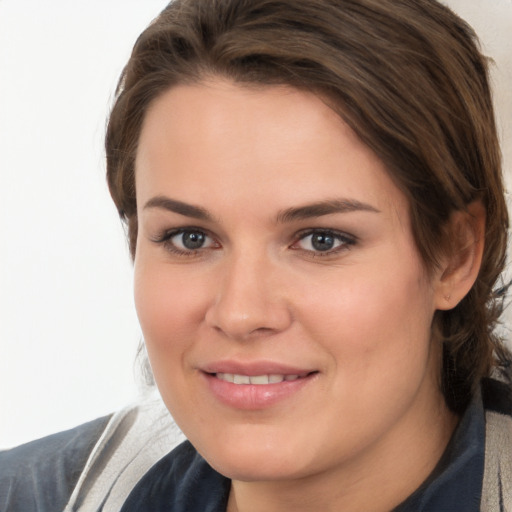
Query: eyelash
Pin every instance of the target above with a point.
(166, 237)
(345, 240)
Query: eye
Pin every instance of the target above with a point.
(190, 240)
(186, 241)
(323, 241)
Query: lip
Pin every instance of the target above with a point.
(254, 368)
(253, 397)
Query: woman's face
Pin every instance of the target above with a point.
(285, 308)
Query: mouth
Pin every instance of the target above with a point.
(257, 390)
(259, 380)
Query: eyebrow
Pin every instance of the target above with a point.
(172, 205)
(324, 208)
(307, 211)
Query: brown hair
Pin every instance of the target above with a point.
(406, 75)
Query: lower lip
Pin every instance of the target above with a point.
(254, 396)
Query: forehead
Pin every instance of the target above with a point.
(223, 140)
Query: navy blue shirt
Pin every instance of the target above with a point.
(40, 476)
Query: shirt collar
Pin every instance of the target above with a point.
(456, 482)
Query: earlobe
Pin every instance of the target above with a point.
(466, 235)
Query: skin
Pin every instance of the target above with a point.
(372, 416)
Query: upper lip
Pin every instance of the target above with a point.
(254, 368)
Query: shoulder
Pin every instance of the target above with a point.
(135, 439)
(497, 487)
(41, 475)
(497, 396)
(182, 481)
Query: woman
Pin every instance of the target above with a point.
(316, 215)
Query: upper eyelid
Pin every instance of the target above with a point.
(166, 234)
(335, 232)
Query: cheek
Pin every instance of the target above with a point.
(170, 311)
(377, 332)
(169, 305)
(370, 317)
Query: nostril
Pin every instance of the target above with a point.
(262, 330)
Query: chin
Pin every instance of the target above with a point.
(256, 459)
(253, 469)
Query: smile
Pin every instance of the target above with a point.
(255, 379)
(256, 390)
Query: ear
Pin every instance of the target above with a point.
(461, 264)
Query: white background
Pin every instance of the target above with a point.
(68, 329)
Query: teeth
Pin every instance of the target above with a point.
(242, 379)
(255, 379)
(228, 377)
(259, 379)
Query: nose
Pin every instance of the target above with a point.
(249, 300)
